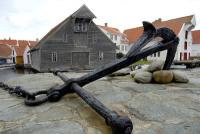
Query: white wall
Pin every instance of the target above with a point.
(123, 48)
(13, 55)
(26, 55)
(9, 60)
(180, 49)
(195, 50)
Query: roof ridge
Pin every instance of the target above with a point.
(178, 18)
(108, 27)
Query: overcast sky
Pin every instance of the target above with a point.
(31, 19)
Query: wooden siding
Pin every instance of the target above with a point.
(65, 41)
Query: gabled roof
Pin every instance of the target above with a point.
(83, 12)
(196, 37)
(174, 24)
(5, 51)
(9, 42)
(21, 48)
(111, 30)
(18, 45)
(32, 43)
(115, 31)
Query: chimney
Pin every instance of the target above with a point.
(9, 38)
(159, 20)
(37, 39)
(106, 24)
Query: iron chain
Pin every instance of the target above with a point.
(17, 90)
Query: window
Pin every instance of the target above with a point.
(115, 37)
(80, 27)
(54, 57)
(158, 54)
(94, 37)
(126, 48)
(189, 57)
(185, 45)
(154, 55)
(65, 37)
(111, 36)
(100, 55)
(186, 34)
(180, 56)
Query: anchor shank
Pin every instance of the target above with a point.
(119, 124)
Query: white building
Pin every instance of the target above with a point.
(195, 44)
(5, 54)
(182, 28)
(26, 54)
(117, 37)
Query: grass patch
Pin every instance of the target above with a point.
(141, 62)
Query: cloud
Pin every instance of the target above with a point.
(30, 19)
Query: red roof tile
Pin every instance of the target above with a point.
(22, 46)
(5, 51)
(112, 30)
(32, 43)
(9, 42)
(19, 45)
(174, 24)
(196, 37)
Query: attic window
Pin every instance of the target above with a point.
(186, 34)
(101, 55)
(80, 27)
(185, 45)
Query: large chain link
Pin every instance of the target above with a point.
(17, 90)
(32, 99)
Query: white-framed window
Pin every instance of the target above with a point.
(100, 55)
(65, 37)
(54, 57)
(116, 37)
(111, 36)
(80, 27)
(126, 48)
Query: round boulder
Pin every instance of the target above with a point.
(180, 77)
(132, 73)
(155, 66)
(163, 76)
(143, 77)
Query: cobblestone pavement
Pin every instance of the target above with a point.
(153, 108)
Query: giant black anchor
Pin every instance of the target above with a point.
(119, 124)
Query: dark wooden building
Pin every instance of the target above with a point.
(75, 43)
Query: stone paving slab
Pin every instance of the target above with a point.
(153, 108)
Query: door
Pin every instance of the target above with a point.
(185, 56)
(80, 59)
(13, 60)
